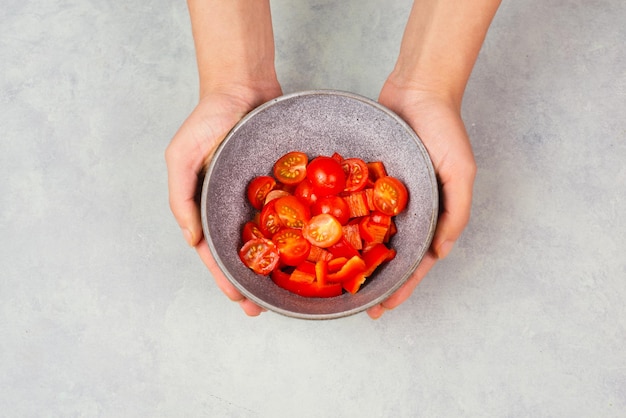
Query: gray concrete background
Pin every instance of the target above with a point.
(104, 311)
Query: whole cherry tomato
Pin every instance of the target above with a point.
(326, 176)
(334, 205)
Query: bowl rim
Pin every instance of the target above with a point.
(318, 92)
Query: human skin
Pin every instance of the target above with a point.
(235, 55)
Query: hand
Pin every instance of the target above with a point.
(437, 121)
(187, 156)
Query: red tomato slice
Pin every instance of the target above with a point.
(292, 212)
(251, 231)
(258, 189)
(357, 174)
(292, 246)
(326, 176)
(291, 167)
(260, 254)
(322, 230)
(269, 221)
(275, 194)
(334, 205)
(390, 195)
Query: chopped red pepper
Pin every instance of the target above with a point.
(353, 267)
(312, 290)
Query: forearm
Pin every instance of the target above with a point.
(234, 43)
(440, 45)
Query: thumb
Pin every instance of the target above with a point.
(183, 169)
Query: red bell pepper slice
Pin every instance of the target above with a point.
(311, 290)
(353, 235)
(304, 273)
(374, 228)
(373, 257)
(357, 204)
(343, 249)
(353, 267)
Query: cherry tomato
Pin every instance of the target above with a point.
(322, 230)
(390, 195)
(291, 211)
(292, 246)
(251, 231)
(260, 254)
(275, 194)
(305, 191)
(357, 174)
(269, 221)
(291, 167)
(258, 189)
(326, 176)
(334, 205)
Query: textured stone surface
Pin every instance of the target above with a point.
(104, 311)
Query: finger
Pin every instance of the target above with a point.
(402, 294)
(184, 164)
(457, 203)
(250, 308)
(376, 312)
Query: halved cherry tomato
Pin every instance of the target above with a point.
(390, 195)
(260, 254)
(334, 205)
(258, 189)
(269, 221)
(292, 246)
(322, 230)
(357, 174)
(291, 211)
(326, 176)
(251, 231)
(305, 191)
(291, 167)
(275, 194)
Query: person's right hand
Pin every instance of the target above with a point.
(187, 157)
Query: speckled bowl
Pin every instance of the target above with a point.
(318, 122)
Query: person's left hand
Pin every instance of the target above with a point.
(437, 121)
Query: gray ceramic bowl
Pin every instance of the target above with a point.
(318, 123)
